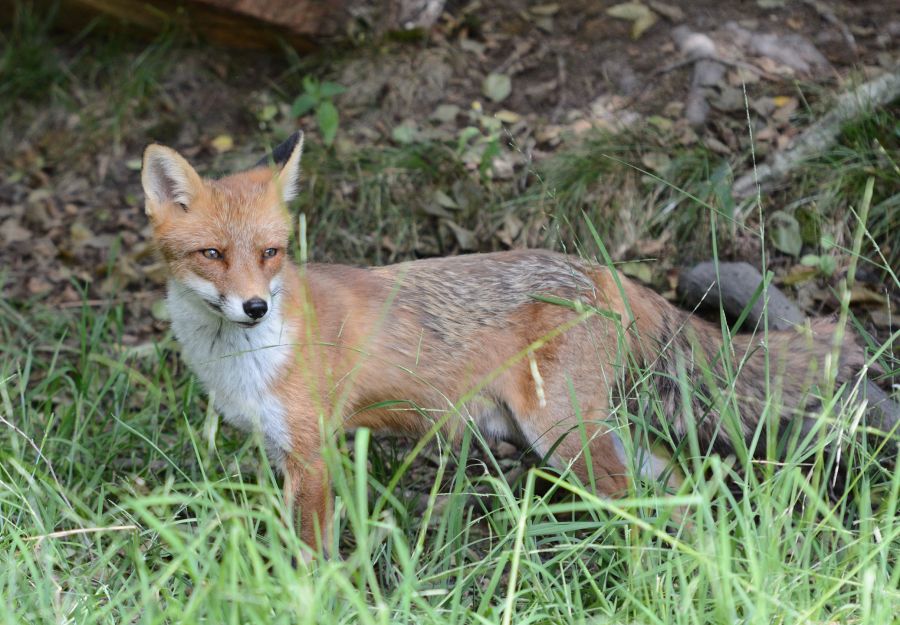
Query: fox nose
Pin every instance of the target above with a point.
(255, 308)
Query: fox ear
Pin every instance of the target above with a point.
(167, 178)
(288, 179)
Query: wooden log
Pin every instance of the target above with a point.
(732, 289)
(242, 24)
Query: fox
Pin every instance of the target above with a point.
(535, 347)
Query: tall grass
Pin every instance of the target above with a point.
(121, 500)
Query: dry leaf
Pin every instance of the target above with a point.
(497, 87)
(863, 295)
(222, 143)
(507, 117)
(545, 9)
(674, 13)
(445, 113)
(12, 231)
(656, 161)
(466, 238)
(637, 269)
(640, 14)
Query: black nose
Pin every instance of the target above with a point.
(255, 308)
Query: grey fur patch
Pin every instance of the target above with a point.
(454, 296)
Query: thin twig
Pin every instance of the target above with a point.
(83, 530)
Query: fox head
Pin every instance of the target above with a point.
(224, 240)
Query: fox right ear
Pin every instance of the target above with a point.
(288, 179)
(280, 155)
(167, 179)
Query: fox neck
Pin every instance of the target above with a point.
(237, 365)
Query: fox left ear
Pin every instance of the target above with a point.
(287, 155)
(167, 179)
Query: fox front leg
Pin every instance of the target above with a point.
(307, 494)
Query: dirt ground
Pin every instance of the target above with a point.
(71, 222)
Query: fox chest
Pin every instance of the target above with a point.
(239, 368)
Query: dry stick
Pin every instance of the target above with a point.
(821, 135)
(699, 287)
(738, 282)
(82, 530)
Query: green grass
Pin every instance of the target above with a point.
(868, 148)
(122, 501)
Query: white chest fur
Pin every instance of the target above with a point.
(237, 365)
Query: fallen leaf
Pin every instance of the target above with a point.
(641, 271)
(445, 200)
(742, 76)
(656, 161)
(785, 233)
(544, 23)
(38, 286)
(660, 123)
(670, 11)
(497, 87)
(445, 113)
(504, 165)
(12, 231)
(436, 210)
(782, 100)
(861, 294)
(470, 45)
(512, 227)
(466, 238)
(80, 233)
(405, 133)
(545, 9)
(160, 310)
(640, 14)
(507, 117)
(222, 143)
(729, 99)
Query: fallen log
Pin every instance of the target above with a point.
(242, 24)
(821, 135)
(732, 288)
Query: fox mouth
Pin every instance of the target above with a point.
(219, 310)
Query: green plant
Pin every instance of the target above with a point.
(318, 96)
(479, 142)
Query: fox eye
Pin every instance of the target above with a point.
(269, 252)
(211, 253)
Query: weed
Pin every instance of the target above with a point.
(319, 98)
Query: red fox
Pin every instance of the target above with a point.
(531, 346)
